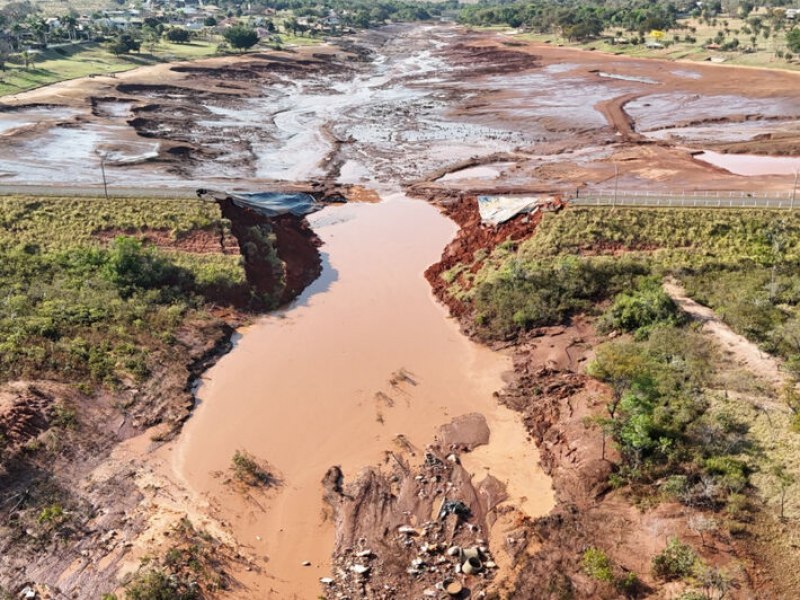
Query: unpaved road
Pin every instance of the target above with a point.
(741, 350)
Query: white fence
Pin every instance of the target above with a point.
(687, 199)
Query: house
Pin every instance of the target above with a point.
(332, 20)
(195, 23)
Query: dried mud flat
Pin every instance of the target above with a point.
(403, 106)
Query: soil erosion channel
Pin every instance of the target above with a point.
(316, 385)
(363, 356)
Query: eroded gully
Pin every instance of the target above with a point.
(315, 385)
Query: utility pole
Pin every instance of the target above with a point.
(616, 183)
(794, 188)
(103, 157)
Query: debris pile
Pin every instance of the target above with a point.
(421, 532)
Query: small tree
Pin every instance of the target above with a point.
(241, 37)
(785, 481)
(793, 39)
(178, 35)
(5, 50)
(676, 561)
(597, 565)
(150, 37)
(123, 44)
(701, 524)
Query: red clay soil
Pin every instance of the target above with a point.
(198, 241)
(296, 244)
(472, 237)
(48, 459)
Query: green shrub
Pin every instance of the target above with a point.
(640, 310)
(629, 585)
(676, 561)
(51, 515)
(536, 294)
(693, 595)
(64, 416)
(731, 472)
(155, 584)
(247, 469)
(597, 565)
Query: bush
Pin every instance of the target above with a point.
(597, 565)
(156, 584)
(178, 35)
(241, 37)
(692, 595)
(628, 585)
(538, 293)
(640, 310)
(676, 561)
(247, 470)
(731, 473)
(123, 44)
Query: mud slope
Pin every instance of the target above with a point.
(281, 256)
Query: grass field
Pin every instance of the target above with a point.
(77, 309)
(82, 60)
(764, 55)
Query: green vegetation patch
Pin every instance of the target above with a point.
(582, 257)
(676, 561)
(193, 567)
(55, 223)
(79, 309)
(82, 60)
(674, 438)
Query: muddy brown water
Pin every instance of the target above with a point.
(750, 164)
(302, 390)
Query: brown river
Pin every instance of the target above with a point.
(302, 390)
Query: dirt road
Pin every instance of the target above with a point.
(741, 350)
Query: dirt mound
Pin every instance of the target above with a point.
(404, 531)
(465, 432)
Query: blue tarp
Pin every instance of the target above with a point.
(273, 204)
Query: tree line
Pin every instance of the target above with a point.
(580, 21)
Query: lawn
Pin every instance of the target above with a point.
(82, 60)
